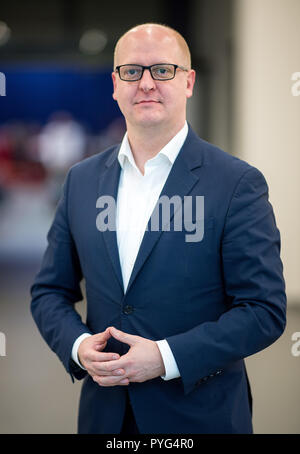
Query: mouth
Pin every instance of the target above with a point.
(148, 101)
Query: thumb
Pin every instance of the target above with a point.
(102, 337)
(129, 339)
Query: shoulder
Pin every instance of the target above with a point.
(221, 164)
(96, 163)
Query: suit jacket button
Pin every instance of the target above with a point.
(127, 309)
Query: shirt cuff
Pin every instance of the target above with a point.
(76, 346)
(171, 367)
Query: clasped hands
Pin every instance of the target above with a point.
(142, 362)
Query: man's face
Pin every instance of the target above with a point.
(149, 102)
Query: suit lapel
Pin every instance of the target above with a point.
(180, 182)
(108, 186)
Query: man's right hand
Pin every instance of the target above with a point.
(90, 356)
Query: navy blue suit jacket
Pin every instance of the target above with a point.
(216, 301)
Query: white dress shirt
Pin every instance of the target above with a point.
(137, 197)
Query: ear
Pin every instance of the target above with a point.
(190, 83)
(114, 79)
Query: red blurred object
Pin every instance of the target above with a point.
(17, 163)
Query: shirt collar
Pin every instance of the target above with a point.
(170, 150)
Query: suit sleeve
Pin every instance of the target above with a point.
(56, 289)
(253, 282)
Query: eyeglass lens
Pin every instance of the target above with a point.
(159, 72)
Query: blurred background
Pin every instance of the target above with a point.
(56, 108)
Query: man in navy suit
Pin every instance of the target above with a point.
(171, 312)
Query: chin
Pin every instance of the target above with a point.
(149, 120)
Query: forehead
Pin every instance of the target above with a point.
(148, 48)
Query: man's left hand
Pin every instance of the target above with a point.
(142, 362)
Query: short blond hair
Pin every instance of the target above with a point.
(179, 38)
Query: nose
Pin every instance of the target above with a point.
(146, 82)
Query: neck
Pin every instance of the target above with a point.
(145, 143)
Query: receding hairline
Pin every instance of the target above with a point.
(179, 38)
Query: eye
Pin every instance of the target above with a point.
(163, 71)
(131, 72)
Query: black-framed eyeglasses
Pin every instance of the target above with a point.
(159, 71)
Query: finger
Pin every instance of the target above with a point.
(96, 371)
(100, 346)
(110, 381)
(110, 364)
(100, 357)
(102, 337)
(129, 339)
